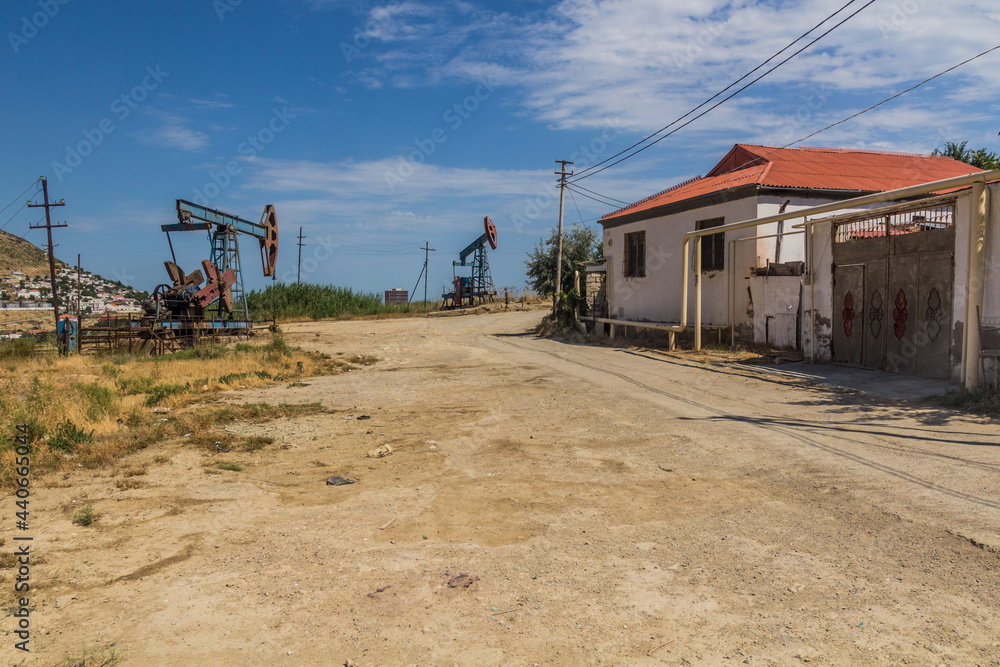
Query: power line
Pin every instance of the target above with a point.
(590, 171)
(14, 201)
(575, 205)
(582, 194)
(864, 111)
(13, 216)
(888, 99)
(580, 187)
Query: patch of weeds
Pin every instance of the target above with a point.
(136, 471)
(19, 348)
(201, 352)
(100, 400)
(362, 359)
(216, 441)
(84, 516)
(134, 417)
(263, 412)
(140, 441)
(983, 400)
(235, 377)
(161, 391)
(103, 658)
(68, 435)
(277, 347)
(132, 386)
(111, 371)
(255, 442)
(297, 384)
(161, 459)
(129, 483)
(8, 560)
(226, 465)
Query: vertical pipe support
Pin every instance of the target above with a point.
(978, 233)
(812, 294)
(697, 294)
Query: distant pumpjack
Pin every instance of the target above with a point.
(478, 285)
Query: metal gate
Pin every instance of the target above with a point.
(892, 292)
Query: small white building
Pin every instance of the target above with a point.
(889, 285)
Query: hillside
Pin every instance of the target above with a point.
(16, 254)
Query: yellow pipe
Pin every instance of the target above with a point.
(975, 280)
(876, 198)
(697, 292)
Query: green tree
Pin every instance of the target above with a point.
(981, 158)
(580, 244)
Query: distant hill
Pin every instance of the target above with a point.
(16, 254)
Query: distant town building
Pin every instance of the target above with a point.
(395, 297)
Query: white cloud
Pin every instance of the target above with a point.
(646, 62)
(174, 132)
(367, 195)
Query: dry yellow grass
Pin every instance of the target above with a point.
(94, 410)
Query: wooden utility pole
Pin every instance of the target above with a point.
(48, 226)
(298, 276)
(562, 199)
(426, 247)
(427, 255)
(79, 313)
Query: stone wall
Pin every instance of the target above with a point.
(595, 292)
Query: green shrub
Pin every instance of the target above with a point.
(84, 516)
(302, 300)
(211, 351)
(67, 436)
(131, 386)
(99, 399)
(225, 465)
(161, 391)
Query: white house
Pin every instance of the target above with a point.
(757, 280)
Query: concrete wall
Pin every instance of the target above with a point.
(817, 295)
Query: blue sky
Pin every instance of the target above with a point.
(376, 127)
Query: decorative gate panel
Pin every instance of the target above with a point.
(893, 285)
(848, 314)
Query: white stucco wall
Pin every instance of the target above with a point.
(657, 296)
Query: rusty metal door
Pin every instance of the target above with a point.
(848, 308)
(921, 291)
(893, 300)
(876, 270)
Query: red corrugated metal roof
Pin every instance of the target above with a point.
(808, 168)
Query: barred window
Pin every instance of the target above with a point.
(713, 247)
(634, 263)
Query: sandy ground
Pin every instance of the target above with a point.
(545, 503)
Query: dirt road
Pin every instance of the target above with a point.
(544, 503)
